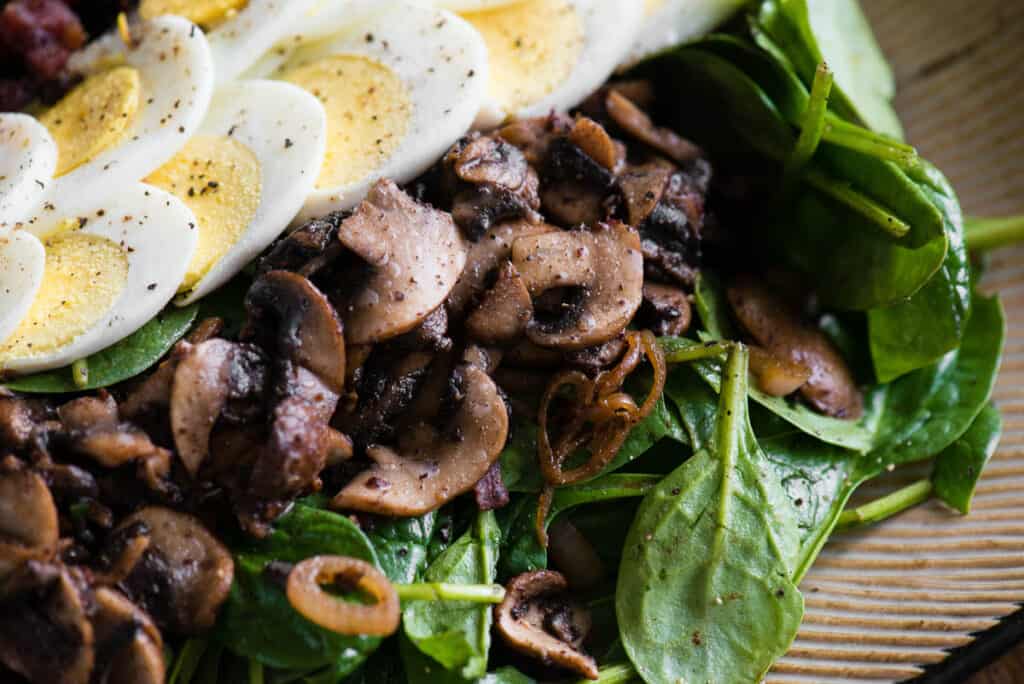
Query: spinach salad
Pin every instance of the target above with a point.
(651, 514)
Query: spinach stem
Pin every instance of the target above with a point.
(852, 137)
(812, 126)
(80, 373)
(708, 350)
(440, 591)
(887, 506)
(859, 202)
(255, 672)
(614, 674)
(990, 233)
(187, 662)
(732, 407)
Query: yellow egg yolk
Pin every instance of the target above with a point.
(533, 47)
(220, 180)
(652, 6)
(368, 111)
(207, 13)
(83, 278)
(94, 117)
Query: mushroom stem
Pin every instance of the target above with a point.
(441, 591)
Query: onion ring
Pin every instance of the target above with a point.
(307, 596)
(600, 404)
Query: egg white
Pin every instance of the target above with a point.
(22, 262)
(471, 5)
(285, 128)
(242, 40)
(28, 159)
(442, 63)
(158, 235)
(175, 66)
(674, 22)
(609, 27)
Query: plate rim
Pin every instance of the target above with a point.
(987, 647)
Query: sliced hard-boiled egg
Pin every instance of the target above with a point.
(551, 54)
(28, 158)
(110, 267)
(240, 41)
(472, 5)
(399, 88)
(672, 22)
(138, 105)
(245, 175)
(22, 260)
(206, 13)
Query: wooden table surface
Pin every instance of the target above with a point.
(1007, 670)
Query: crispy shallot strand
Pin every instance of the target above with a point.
(611, 380)
(551, 459)
(305, 593)
(608, 407)
(656, 357)
(547, 497)
(600, 404)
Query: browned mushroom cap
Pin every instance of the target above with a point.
(597, 358)
(45, 633)
(28, 520)
(504, 310)
(488, 159)
(185, 574)
(18, 421)
(86, 413)
(603, 264)
(416, 255)
(774, 376)
(526, 354)
(537, 620)
(422, 477)
(386, 388)
(666, 310)
(130, 643)
(489, 182)
(485, 255)
(776, 327)
(534, 136)
(208, 376)
(642, 187)
(635, 121)
(305, 327)
(593, 139)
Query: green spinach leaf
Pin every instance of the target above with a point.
(919, 331)
(959, 466)
(848, 45)
(521, 552)
(456, 634)
(402, 546)
(131, 356)
(836, 31)
(704, 593)
(420, 669)
(857, 435)
(924, 413)
(929, 409)
(866, 269)
(259, 623)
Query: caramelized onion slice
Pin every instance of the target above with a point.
(307, 596)
(601, 414)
